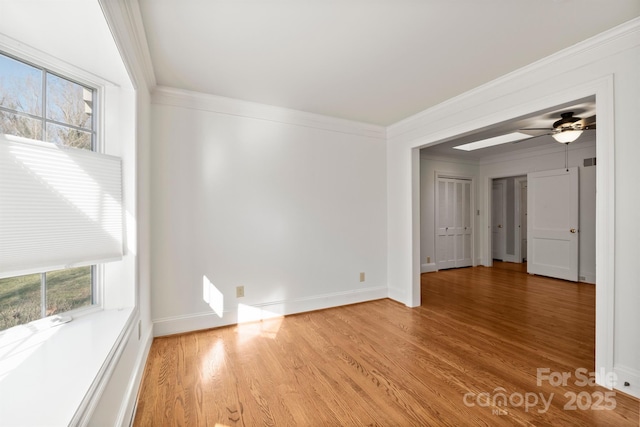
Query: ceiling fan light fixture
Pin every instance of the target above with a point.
(567, 136)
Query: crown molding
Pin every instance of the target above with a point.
(125, 21)
(162, 95)
(574, 56)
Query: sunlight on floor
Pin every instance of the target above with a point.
(257, 322)
(213, 361)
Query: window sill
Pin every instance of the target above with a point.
(45, 373)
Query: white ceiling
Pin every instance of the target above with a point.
(376, 61)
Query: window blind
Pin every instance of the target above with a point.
(59, 207)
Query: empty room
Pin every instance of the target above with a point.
(319, 213)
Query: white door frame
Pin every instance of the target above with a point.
(518, 216)
(440, 174)
(503, 255)
(603, 90)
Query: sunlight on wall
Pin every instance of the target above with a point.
(212, 296)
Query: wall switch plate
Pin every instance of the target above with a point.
(239, 291)
(362, 277)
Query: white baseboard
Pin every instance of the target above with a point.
(251, 313)
(510, 258)
(629, 375)
(428, 268)
(128, 410)
(587, 278)
(398, 295)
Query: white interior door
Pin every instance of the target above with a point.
(454, 230)
(445, 251)
(463, 226)
(552, 203)
(498, 217)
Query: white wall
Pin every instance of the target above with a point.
(291, 206)
(607, 66)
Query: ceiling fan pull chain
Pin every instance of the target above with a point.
(566, 157)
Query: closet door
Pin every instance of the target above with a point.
(454, 229)
(445, 250)
(463, 222)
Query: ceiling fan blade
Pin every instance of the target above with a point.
(547, 129)
(532, 137)
(588, 123)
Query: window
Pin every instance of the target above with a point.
(27, 298)
(38, 104)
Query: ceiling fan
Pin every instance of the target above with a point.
(567, 129)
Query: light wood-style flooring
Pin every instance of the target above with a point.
(480, 332)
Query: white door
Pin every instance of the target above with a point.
(498, 217)
(462, 223)
(552, 203)
(453, 223)
(445, 252)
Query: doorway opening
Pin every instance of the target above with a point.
(486, 172)
(509, 219)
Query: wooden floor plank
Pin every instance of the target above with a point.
(479, 330)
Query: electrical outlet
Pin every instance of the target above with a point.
(239, 291)
(362, 277)
(428, 260)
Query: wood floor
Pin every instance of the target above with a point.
(480, 332)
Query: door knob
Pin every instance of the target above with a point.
(499, 225)
(573, 230)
